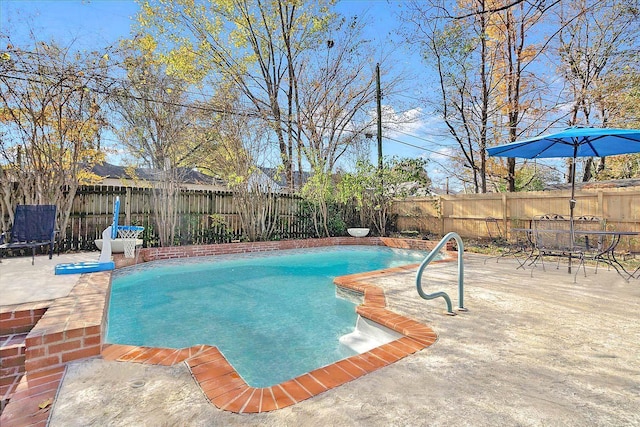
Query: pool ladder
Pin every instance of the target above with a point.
(430, 258)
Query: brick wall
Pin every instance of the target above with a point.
(16, 320)
(15, 323)
(72, 327)
(153, 254)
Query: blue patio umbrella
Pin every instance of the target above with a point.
(573, 142)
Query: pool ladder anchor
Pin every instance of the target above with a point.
(444, 295)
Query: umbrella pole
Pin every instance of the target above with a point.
(572, 202)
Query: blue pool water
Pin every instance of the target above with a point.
(274, 316)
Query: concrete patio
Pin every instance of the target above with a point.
(530, 351)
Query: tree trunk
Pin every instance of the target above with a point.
(586, 175)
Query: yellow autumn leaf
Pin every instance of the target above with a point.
(46, 403)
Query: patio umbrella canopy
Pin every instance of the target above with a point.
(573, 142)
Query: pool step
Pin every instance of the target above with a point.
(368, 335)
(15, 324)
(12, 357)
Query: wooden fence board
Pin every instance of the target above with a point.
(93, 211)
(467, 214)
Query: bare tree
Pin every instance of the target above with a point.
(484, 60)
(255, 46)
(239, 146)
(229, 146)
(155, 125)
(512, 29)
(596, 49)
(336, 88)
(51, 111)
(464, 60)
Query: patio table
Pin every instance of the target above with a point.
(604, 253)
(608, 254)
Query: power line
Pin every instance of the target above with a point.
(409, 97)
(456, 157)
(416, 137)
(420, 148)
(112, 79)
(142, 98)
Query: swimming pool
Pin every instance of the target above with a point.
(273, 316)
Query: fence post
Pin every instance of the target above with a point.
(600, 205)
(504, 215)
(441, 213)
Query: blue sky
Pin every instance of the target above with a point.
(89, 23)
(99, 23)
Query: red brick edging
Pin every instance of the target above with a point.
(224, 387)
(72, 328)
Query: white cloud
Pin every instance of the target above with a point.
(401, 123)
(404, 123)
(443, 153)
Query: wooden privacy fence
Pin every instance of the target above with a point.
(204, 216)
(470, 215)
(210, 216)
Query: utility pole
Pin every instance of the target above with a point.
(378, 100)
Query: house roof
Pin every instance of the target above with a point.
(612, 183)
(278, 176)
(190, 176)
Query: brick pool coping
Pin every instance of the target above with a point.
(73, 327)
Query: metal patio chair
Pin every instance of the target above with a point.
(552, 237)
(591, 245)
(511, 248)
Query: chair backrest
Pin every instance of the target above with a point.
(588, 223)
(552, 232)
(33, 223)
(588, 242)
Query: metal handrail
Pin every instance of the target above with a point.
(430, 258)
